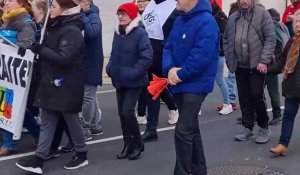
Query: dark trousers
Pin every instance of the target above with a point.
(127, 99)
(190, 158)
(273, 89)
(250, 84)
(290, 112)
(60, 128)
(142, 102)
(154, 107)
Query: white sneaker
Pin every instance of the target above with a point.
(227, 109)
(142, 120)
(173, 117)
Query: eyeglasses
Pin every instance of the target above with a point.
(122, 14)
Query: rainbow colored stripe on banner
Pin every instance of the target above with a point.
(6, 101)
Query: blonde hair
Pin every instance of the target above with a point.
(295, 17)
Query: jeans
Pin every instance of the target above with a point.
(290, 112)
(231, 83)
(91, 113)
(190, 158)
(50, 119)
(127, 99)
(272, 86)
(250, 84)
(29, 123)
(221, 82)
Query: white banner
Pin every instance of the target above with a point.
(15, 76)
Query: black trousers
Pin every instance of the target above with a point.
(250, 85)
(190, 158)
(127, 99)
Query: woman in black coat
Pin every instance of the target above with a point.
(60, 91)
(131, 57)
(290, 66)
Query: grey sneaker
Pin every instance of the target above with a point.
(96, 131)
(87, 135)
(263, 136)
(244, 135)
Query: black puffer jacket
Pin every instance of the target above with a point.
(291, 85)
(221, 19)
(61, 57)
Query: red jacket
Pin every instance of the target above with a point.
(290, 10)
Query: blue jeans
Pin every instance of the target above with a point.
(221, 82)
(30, 124)
(290, 112)
(231, 83)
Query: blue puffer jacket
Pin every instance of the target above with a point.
(93, 42)
(194, 47)
(131, 56)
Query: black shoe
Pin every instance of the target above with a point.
(275, 121)
(53, 155)
(125, 151)
(135, 154)
(32, 164)
(67, 149)
(79, 160)
(148, 137)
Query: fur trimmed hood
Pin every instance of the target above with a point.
(133, 24)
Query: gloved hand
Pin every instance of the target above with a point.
(36, 48)
(22, 51)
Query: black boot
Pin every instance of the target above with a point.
(126, 149)
(138, 148)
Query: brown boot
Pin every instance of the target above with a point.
(279, 150)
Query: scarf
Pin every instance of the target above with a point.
(8, 15)
(293, 56)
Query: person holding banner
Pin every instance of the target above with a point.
(61, 89)
(18, 29)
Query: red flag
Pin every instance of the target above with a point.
(156, 86)
(219, 2)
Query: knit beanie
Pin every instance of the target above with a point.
(131, 9)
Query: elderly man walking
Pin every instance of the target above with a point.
(249, 44)
(190, 60)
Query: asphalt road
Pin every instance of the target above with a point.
(159, 157)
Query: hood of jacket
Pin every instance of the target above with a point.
(202, 6)
(133, 24)
(93, 9)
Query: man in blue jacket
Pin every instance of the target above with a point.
(190, 60)
(91, 113)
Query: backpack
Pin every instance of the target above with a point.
(282, 33)
(282, 37)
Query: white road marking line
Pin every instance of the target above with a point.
(106, 91)
(106, 140)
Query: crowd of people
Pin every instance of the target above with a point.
(189, 42)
